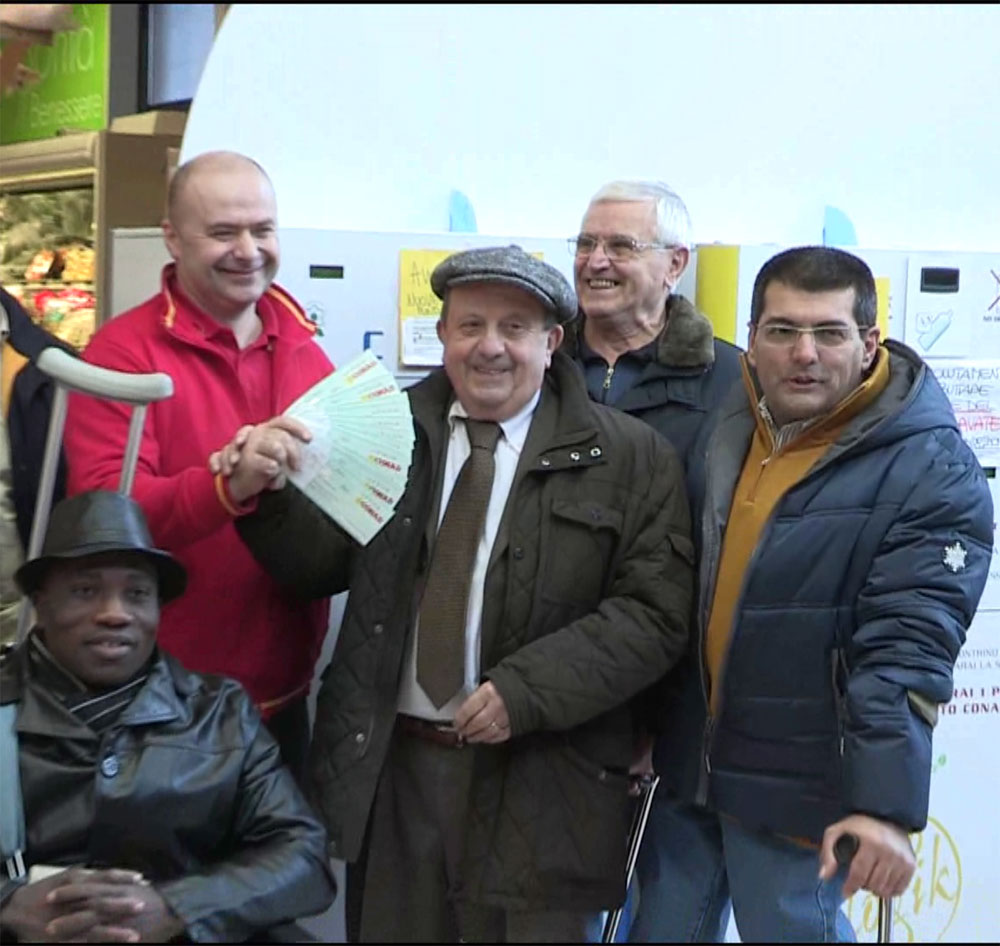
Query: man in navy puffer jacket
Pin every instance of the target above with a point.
(844, 531)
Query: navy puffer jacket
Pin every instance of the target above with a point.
(858, 598)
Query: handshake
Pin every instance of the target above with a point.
(260, 456)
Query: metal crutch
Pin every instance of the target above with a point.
(647, 786)
(73, 374)
(844, 849)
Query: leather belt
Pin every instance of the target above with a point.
(442, 733)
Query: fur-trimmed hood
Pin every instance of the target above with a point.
(686, 340)
(691, 373)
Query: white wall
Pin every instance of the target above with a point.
(759, 115)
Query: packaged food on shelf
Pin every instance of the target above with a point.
(45, 264)
(69, 314)
(78, 263)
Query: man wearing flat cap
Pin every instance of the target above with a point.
(472, 738)
(154, 804)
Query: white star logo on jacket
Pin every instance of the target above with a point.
(954, 556)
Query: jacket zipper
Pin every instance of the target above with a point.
(705, 769)
(608, 375)
(705, 772)
(775, 450)
(839, 675)
(701, 794)
(760, 475)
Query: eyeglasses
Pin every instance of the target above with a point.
(779, 335)
(616, 248)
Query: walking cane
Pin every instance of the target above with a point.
(73, 374)
(646, 784)
(844, 849)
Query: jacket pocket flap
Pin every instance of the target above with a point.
(591, 514)
(682, 545)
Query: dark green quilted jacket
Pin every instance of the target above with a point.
(587, 602)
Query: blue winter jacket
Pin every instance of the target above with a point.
(852, 612)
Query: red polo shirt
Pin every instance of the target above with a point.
(233, 619)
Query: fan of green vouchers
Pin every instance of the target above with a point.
(356, 465)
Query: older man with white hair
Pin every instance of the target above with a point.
(644, 348)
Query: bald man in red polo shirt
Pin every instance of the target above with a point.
(239, 349)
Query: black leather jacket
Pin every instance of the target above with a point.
(188, 788)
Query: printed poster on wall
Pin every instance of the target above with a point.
(953, 305)
(419, 308)
(60, 88)
(973, 387)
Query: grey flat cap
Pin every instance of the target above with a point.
(511, 265)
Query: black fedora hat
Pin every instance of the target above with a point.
(95, 522)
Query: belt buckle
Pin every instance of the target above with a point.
(448, 729)
(442, 733)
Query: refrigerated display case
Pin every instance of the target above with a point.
(59, 200)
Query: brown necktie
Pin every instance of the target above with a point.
(441, 635)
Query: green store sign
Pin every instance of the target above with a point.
(65, 85)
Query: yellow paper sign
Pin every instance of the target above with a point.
(415, 294)
(419, 308)
(882, 305)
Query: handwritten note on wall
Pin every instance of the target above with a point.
(419, 308)
(973, 387)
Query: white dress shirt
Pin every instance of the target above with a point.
(412, 699)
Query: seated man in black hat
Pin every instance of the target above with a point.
(156, 806)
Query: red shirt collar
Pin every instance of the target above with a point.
(182, 312)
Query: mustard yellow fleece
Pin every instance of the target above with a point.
(767, 475)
